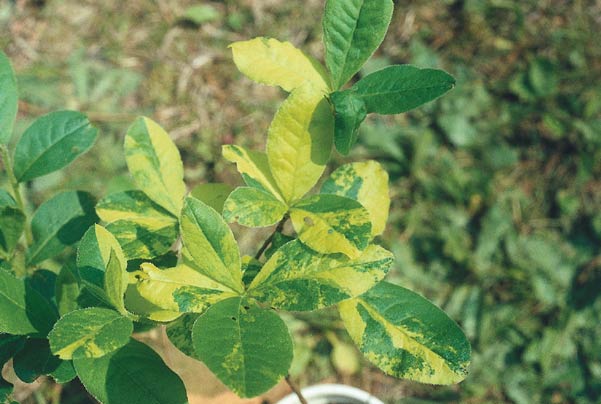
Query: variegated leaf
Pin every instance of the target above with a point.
(155, 163)
(407, 336)
(297, 278)
(299, 142)
(209, 245)
(180, 289)
(332, 224)
(254, 168)
(253, 207)
(144, 229)
(366, 182)
(269, 61)
(247, 347)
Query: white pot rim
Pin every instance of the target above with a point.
(340, 391)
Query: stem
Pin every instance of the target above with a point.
(296, 390)
(267, 242)
(8, 167)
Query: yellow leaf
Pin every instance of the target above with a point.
(154, 162)
(299, 142)
(271, 62)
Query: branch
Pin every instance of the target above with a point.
(296, 390)
(267, 242)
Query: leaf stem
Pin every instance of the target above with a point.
(296, 390)
(8, 167)
(267, 242)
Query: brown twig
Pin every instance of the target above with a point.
(267, 242)
(296, 390)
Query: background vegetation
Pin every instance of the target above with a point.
(496, 187)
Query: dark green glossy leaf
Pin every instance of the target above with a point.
(51, 143)
(400, 88)
(353, 30)
(23, 311)
(12, 223)
(350, 112)
(248, 348)
(60, 222)
(9, 346)
(36, 359)
(134, 374)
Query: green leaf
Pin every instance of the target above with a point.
(248, 348)
(212, 194)
(132, 374)
(209, 245)
(143, 228)
(350, 112)
(299, 142)
(401, 88)
(116, 280)
(200, 14)
(254, 168)
(6, 389)
(12, 223)
(367, 183)
(353, 30)
(180, 289)
(51, 143)
(179, 333)
(60, 222)
(9, 98)
(253, 207)
(89, 333)
(332, 224)
(97, 252)
(407, 336)
(9, 346)
(296, 278)
(23, 311)
(155, 163)
(67, 290)
(36, 359)
(269, 61)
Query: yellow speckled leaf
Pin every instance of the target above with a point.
(299, 142)
(406, 336)
(271, 62)
(154, 162)
(253, 167)
(297, 278)
(366, 182)
(332, 224)
(180, 289)
(209, 245)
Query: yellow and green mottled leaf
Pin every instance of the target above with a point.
(297, 278)
(253, 207)
(115, 281)
(407, 336)
(247, 347)
(254, 168)
(139, 306)
(250, 268)
(89, 333)
(366, 182)
(93, 257)
(332, 224)
(269, 61)
(143, 228)
(209, 245)
(212, 194)
(154, 162)
(180, 289)
(179, 333)
(299, 142)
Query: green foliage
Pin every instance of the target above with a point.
(163, 256)
(8, 99)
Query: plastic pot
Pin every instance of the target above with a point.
(332, 394)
